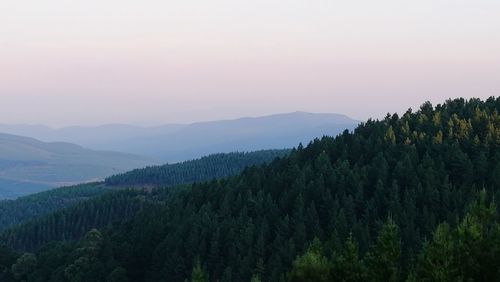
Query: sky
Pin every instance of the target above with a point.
(156, 62)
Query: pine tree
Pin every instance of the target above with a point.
(198, 275)
(348, 266)
(310, 267)
(24, 266)
(383, 259)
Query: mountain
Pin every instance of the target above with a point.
(94, 137)
(406, 198)
(174, 143)
(28, 165)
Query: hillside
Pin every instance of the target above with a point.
(356, 207)
(203, 169)
(180, 142)
(28, 165)
(216, 166)
(29, 207)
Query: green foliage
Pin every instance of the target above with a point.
(255, 278)
(119, 274)
(310, 267)
(205, 168)
(13, 212)
(340, 190)
(24, 209)
(468, 252)
(198, 275)
(383, 259)
(435, 262)
(348, 266)
(7, 259)
(24, 266)
(85, 264)
(74, 221)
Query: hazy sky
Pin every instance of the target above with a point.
(100, 61)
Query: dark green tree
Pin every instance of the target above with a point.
(383, 259)
(310, 267)
(347, 265)
(198, 275)
(24, 266)
(119, 274)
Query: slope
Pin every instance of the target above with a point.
(22, 209)
(34, 165)
(419, 169)
(25, 208)
(203, 169)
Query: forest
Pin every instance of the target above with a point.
(13, 212)
(202, 169)
(35, 206)
(410, 197)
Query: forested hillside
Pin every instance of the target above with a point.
(28, 207)
(406, 198)
(205, 168)
(74, 221)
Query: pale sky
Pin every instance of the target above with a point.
(91, 62)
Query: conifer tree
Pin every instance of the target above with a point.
(383, 259)
(198, 275)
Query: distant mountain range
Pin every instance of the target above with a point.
(28, 165)
(180, 142)
(49, 157)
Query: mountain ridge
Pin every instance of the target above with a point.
(29, 165)
(180, 142)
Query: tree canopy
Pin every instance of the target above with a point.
(405, 198)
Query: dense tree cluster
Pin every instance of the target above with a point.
(470, 251)
(74, 221)
(13, 212)
(27, 208)
(203, 169)
(386, 202)
(7, 259)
